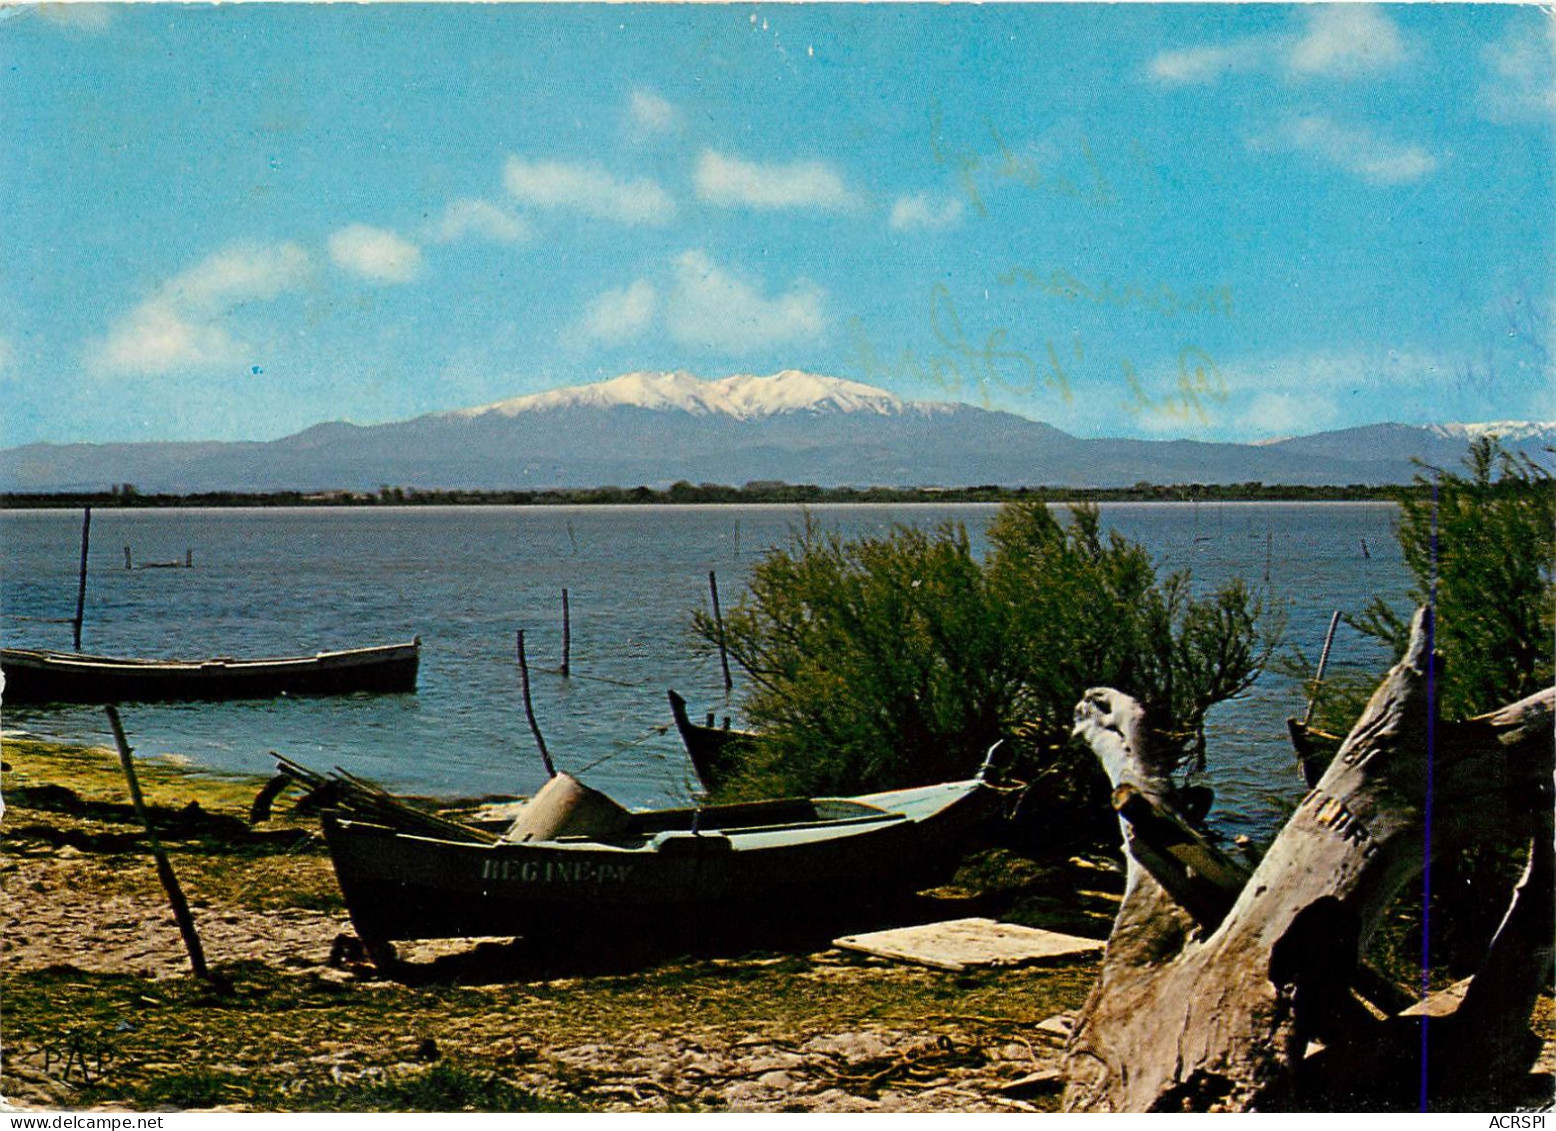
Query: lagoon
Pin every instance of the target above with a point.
(281, 581)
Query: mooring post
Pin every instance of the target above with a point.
(129, 563)
(1323, 662)
(718, 621)
(86, 541)
(188, 559)
(529, 710)
(175, 894)
(567, 638)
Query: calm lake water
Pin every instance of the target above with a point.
(285, 582)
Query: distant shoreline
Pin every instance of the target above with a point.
(682, 494)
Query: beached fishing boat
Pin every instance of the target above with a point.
(708, 746)
(35, 676)
(575, 866)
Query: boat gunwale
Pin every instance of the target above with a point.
(84, 661)
(885, 818)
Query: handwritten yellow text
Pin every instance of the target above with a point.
(982, 362)
(1155, 298)
(1199, 383)
(977, 170)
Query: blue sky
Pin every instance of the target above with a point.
(1219, 222)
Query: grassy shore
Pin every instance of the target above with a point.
(100, 1010)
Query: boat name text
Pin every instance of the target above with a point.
(555, 871)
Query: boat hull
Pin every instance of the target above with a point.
(735, 882)
(67, 677)
(709, 747)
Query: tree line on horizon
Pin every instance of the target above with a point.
(681, 493)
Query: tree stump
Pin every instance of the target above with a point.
(1224, 993)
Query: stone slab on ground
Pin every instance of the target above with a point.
(962, 944)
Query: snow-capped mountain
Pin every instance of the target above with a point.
(1437, 445)
(658, 428)
(742, 397)
(1508, 431)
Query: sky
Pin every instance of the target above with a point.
(1220, 222)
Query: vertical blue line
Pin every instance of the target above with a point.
(1426, 846)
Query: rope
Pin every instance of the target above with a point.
(622, 748)
(597, 678)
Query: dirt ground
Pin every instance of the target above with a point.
(920, 1067)
(101, 1011)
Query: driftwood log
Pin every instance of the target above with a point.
(1222, 990)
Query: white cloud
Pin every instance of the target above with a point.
(1342, 41)
(1522, 64)
(729, 181)
(920, 212)
(479, 219)
(375, 254)
(715, 308)
(1281, 414)
(587, 189)
(1205, 64)
(180, 325)
(652, 113)
(1333, 371)
(1354, 149)
(1275, 396)
(1346, 41)
(156, 338)
(623, 314)
(237, 274)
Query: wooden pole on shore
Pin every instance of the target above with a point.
(529, 709)
(86, 541)
(567, 638)
(718, 620)
(175, 894)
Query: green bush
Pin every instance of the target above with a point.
(885, 662)
(1482, 550)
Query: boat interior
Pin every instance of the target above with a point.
(566, 809)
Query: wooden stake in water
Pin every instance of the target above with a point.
(718, 620)
(129, 562)
(529, 710)
(567, 638)
(1323, 662)
(175, 894)
(86, 541)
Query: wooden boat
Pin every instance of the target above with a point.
(33, 676)
(575, 866)
(708, 746)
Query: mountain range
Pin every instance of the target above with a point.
(655, 429)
